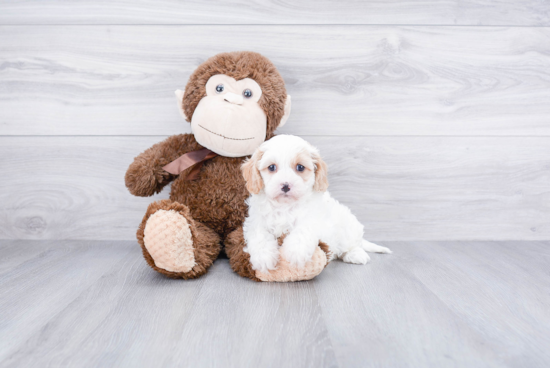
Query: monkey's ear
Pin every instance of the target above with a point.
(252, 176)
(287, 112)
(179, 99)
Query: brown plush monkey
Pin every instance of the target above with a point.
(234, 101)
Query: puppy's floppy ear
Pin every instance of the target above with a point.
(254, 182)
(321, 173)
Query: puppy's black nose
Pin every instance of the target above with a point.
(285, 188)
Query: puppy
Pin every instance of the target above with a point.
(288, 183)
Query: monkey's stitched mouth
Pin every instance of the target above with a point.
(223, 136)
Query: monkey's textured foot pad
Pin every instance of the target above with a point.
(285, 272)
(168, 239)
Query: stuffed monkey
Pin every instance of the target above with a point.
(234, 102)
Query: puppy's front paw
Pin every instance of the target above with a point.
(264, 259)
(296, 252)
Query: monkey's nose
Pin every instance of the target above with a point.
(285, 188)
(233, 98)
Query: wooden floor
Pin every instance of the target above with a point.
(436, 304)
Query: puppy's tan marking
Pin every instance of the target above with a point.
(304, 159)
(254, 182)
(321, 173)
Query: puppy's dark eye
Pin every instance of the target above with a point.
(300, 167)
(272, 167)
(247, 93)
(219, 88)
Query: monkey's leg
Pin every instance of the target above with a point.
(239, 261)
(174, 244)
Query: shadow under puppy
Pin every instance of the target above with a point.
(288, 183)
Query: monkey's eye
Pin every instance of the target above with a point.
(247, 93)
(219, 88)
(272, 167)
(300, 167)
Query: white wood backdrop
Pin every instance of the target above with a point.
(434, 116)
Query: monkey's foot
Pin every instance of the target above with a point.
(169, 241)
(240, 262)
(286, 272)
(174, 244)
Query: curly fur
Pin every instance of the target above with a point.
(240, 65)
(238, 259)
(296, 202)
(214, 204)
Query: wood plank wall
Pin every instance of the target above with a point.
(434, 116)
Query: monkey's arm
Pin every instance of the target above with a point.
(145, 175)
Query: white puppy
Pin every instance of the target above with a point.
(288, 182)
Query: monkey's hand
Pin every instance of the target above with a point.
(145, 175)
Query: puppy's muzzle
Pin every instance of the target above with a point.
(285, 188)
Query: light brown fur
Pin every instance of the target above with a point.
(240, 65)
(321, 174)
(240, 260)
(214, 204)
(251, 174)
(206, 241)
(304, 159)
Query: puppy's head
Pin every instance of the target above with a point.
(286, 167)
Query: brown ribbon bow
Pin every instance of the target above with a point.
(193, 158)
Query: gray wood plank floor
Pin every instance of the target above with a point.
(430, 304)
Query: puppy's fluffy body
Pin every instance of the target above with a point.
(288, 183)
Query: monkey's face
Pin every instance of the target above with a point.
(229, 120)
